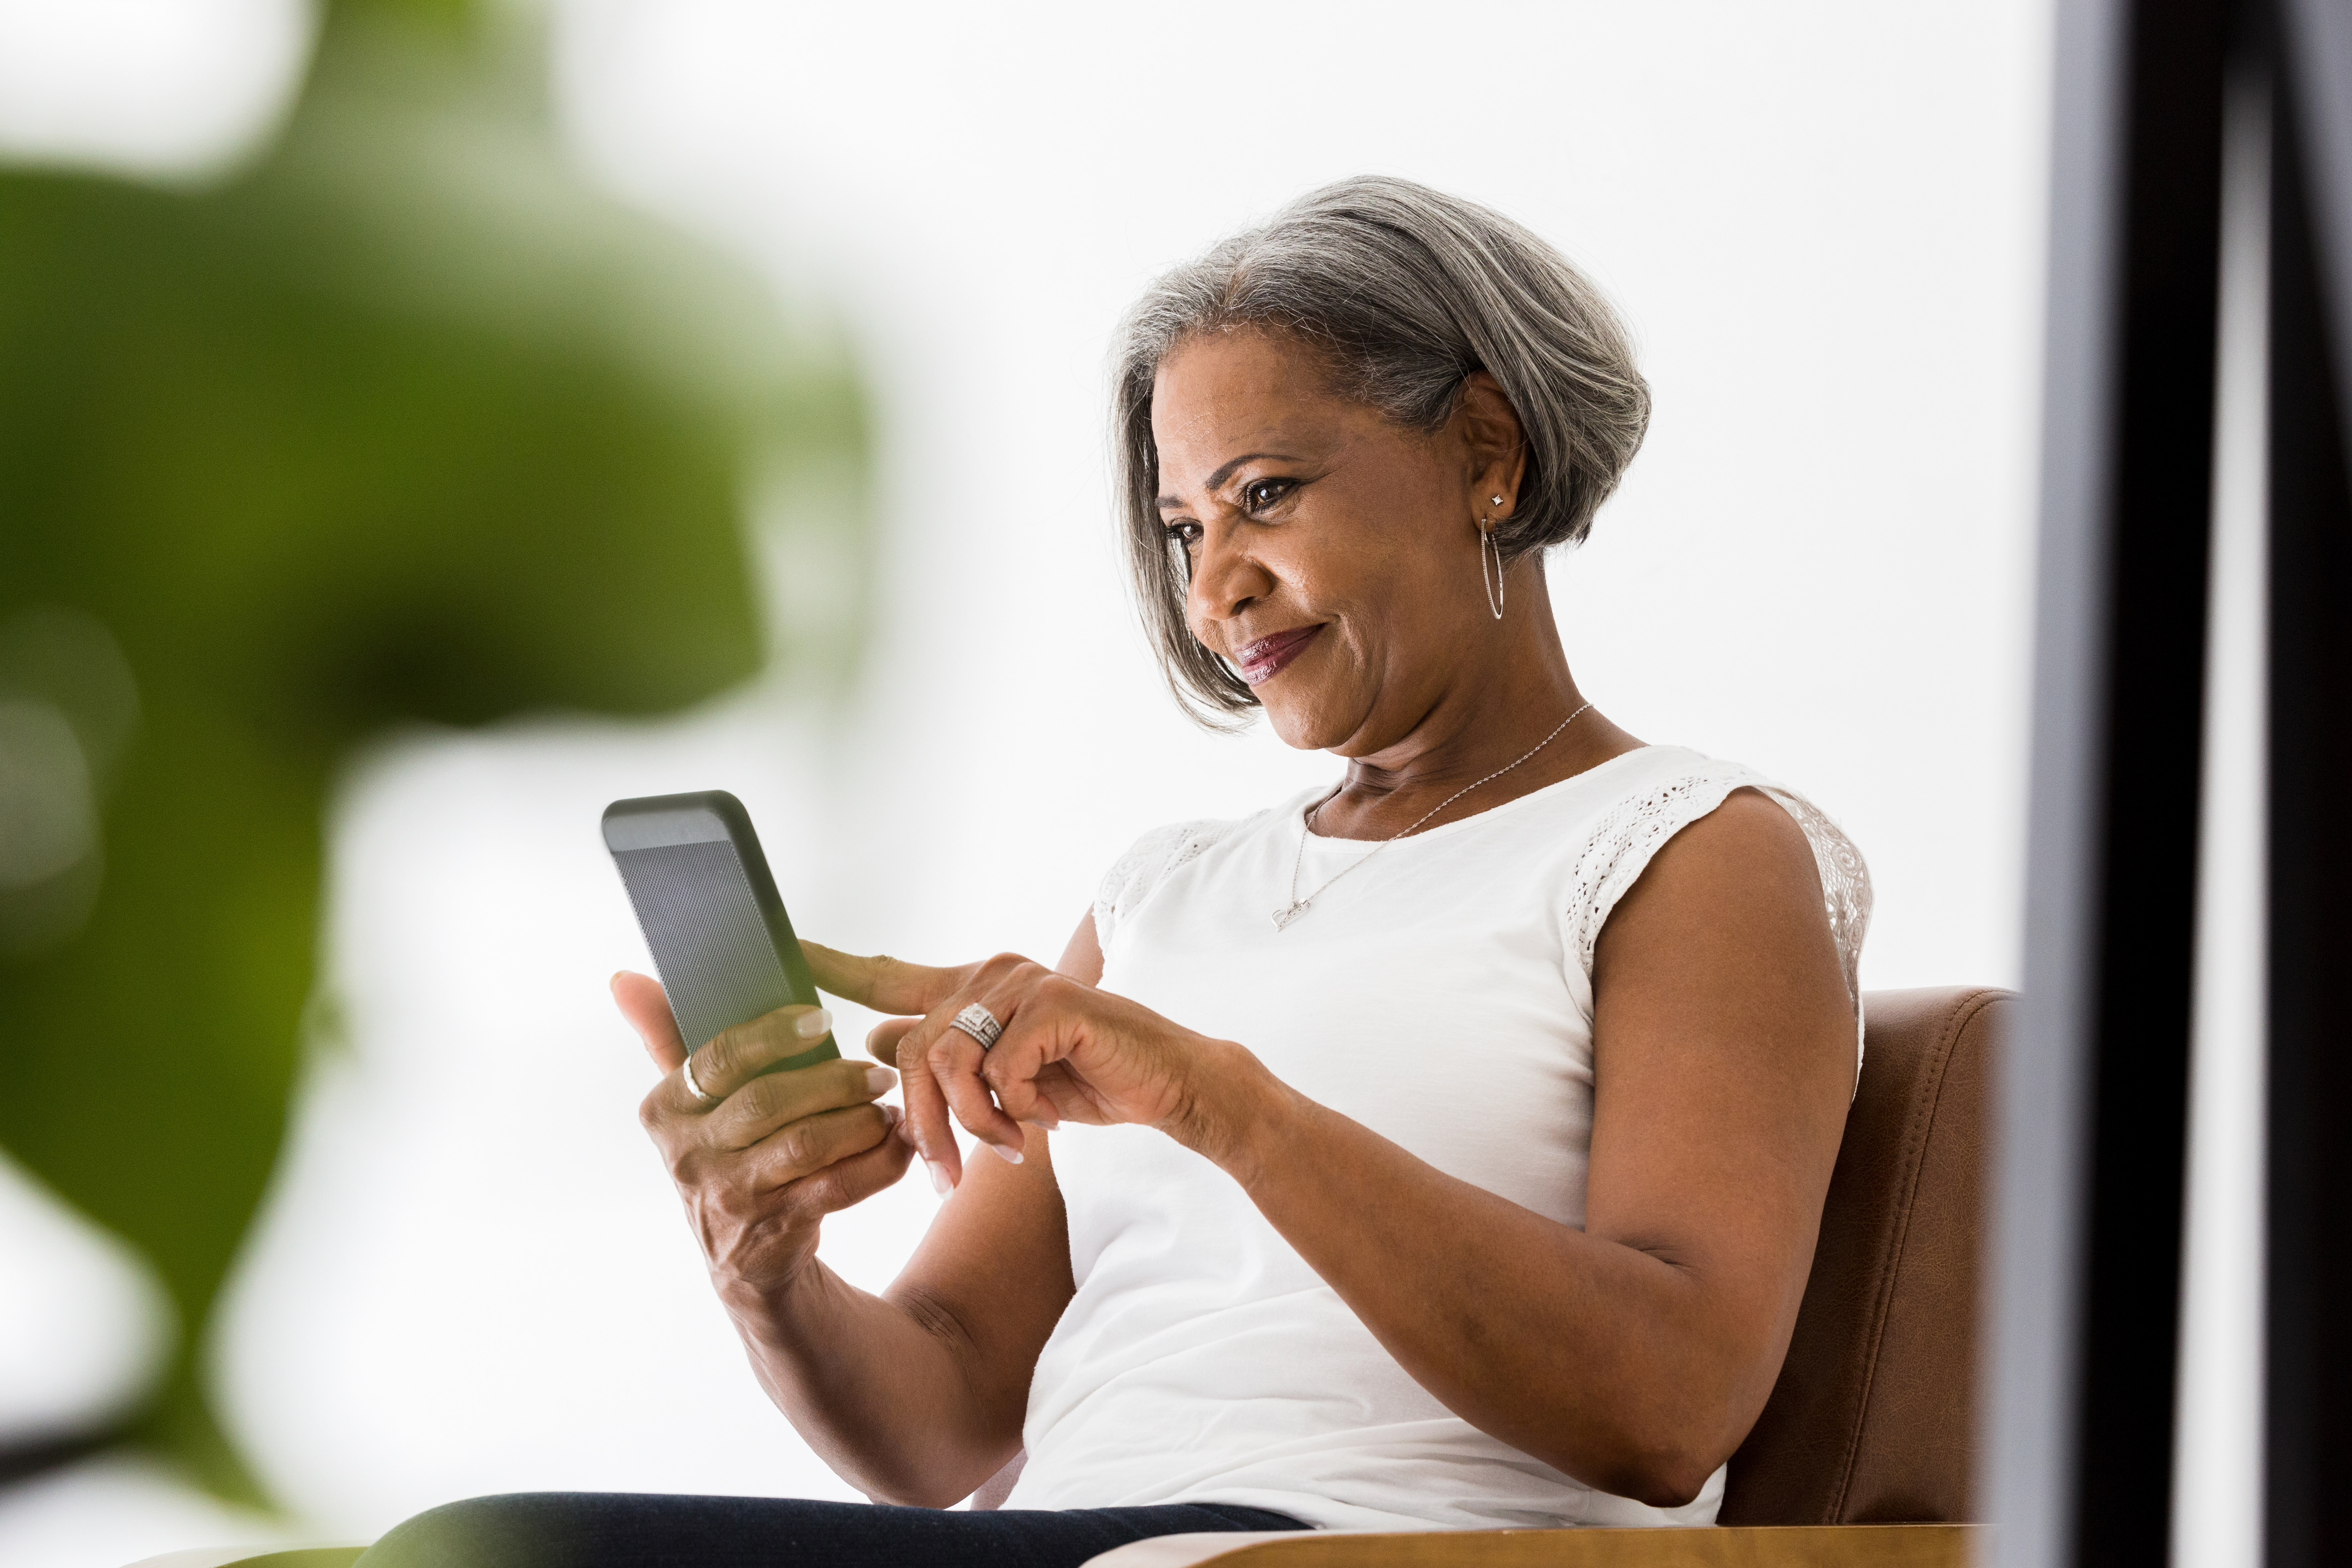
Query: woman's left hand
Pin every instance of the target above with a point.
(1069, 1053)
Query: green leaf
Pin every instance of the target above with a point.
(399, 423)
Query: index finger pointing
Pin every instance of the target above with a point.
(885, 984)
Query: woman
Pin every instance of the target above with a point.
(1444, 1149)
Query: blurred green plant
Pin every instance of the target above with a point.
(397, 422)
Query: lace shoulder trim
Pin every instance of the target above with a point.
(1635, 828)
(1146, 864)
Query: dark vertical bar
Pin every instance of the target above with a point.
(2161, 513)
(2308, 1415)
(2095, 1113)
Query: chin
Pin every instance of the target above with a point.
(1304, 723)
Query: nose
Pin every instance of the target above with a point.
(1226, 579)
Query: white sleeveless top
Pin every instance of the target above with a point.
(1201, 1359)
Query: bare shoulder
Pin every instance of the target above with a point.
(1750, 834)
(1725, 935)
(1747, 858)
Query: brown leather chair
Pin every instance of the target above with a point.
(1863, 1453)
(1872, 1419)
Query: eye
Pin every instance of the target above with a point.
(1260, 494)
(1184, 535)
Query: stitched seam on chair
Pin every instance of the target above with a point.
(1915, 1150)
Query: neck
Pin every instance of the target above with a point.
(1491, 711)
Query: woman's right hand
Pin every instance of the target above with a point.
(762, 1161)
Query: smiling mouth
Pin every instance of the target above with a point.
(1261, 660)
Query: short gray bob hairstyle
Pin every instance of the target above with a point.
(1405, 292)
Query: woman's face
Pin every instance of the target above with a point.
(1334, 553)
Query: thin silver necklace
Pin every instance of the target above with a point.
(1297, 906)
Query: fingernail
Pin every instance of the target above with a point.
(939, 1183)
(1047, 1117)
(878, 1080)
(813, 1025)
(892, 1116)
(1010, 1156)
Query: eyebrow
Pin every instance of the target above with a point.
(1217, 480)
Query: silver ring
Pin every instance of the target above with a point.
(686, 1071)
(980, 1024)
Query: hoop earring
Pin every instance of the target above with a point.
(1493, 585)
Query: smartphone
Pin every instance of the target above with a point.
(721, 941)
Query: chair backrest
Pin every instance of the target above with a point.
(1873, 1418)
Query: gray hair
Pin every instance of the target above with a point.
(1405, 291)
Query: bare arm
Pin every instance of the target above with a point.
(914, 1396)
(1632, 1354)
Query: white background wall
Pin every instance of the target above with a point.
(1824, 223)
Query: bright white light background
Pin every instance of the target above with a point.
(1825, 222)
(154, 87)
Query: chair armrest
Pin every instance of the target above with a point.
(1712, 1546)
(256, 1557)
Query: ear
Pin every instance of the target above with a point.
(1496, 445)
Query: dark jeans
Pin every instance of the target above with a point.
(629, 1529)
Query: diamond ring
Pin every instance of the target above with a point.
(980, 1024)
(685, 1070)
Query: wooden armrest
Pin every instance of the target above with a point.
(1713, 1546)
(256, 1557)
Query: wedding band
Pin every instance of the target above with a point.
(685, 1070)
(980, 1024)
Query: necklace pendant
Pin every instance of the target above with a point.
(1282, 917)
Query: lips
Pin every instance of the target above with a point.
(1261, 660)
